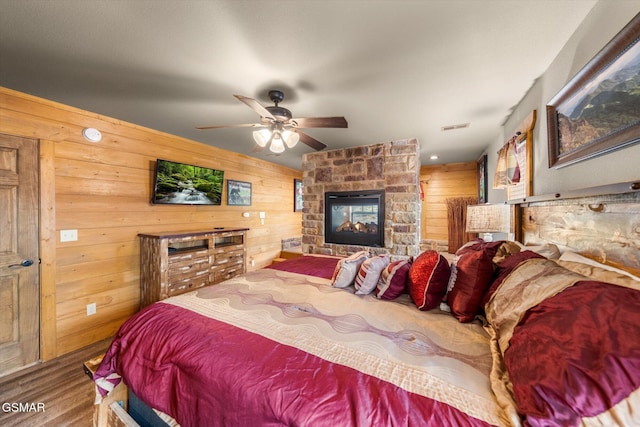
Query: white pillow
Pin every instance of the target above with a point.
(574, 257)
(369, 273)
(347, 269)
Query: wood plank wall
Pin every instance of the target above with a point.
(440, 182)
(103, 190)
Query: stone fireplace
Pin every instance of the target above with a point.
(391, 169)
(354, 218)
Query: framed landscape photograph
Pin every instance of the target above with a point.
(297, 195)
(598, 111)
(238, 193)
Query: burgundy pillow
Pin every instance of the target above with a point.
(504, 269)
(489, 248)
(576, 355)
(428, 279)
(472, 244)
(471, 275)
(393, 280)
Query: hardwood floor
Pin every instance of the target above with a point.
(61, 392)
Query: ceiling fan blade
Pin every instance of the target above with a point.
(246, 125)
(321, 122)
(255, 106)
(310, 141)
(257, 149)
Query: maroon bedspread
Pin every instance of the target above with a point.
(308, 264)
(200, 371)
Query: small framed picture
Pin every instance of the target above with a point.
(297, 195)
(238, 193)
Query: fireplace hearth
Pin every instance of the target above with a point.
(354, 218)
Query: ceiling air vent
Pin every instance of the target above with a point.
(454, 127)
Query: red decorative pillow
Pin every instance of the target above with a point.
(472, 272)
(393, 280)
(471, 275)
(428, 279)
(575, 355)
(490, 248)
(471, 244)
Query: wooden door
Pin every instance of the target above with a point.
(19, 257)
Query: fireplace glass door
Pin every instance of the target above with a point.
(355, 218)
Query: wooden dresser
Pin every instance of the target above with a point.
(178, 262)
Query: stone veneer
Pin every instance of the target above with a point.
(391, 166)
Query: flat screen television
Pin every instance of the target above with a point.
(183, 184)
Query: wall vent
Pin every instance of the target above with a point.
(454, 127)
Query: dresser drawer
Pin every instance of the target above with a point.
(230, 257)
(181, 256)
(227, 272)
(227, 248)
(187, 268)
(178, 287)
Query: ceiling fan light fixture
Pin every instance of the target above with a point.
(277, 146)
(290, 138)
(261, 137)
(279, 127)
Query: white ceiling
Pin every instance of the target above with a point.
(394, 69)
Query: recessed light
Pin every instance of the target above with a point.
(433, 157)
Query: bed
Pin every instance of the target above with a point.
(502, 335)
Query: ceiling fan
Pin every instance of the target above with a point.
(279, 127)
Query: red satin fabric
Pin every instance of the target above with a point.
(576, 354)
(309, 265)
(428, 279)
(473, 272)
(204, 372)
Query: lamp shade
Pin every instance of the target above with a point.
(277, 146)
(290, 138)
(488, 219)
(262, 137)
